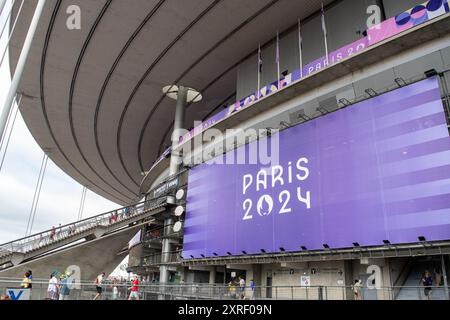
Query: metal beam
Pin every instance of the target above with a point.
(444, 274)
(20, 66)
(2, 5)
(380, 252)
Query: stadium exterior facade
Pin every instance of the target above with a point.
(100, 114)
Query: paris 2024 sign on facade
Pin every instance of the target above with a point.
(377, 170)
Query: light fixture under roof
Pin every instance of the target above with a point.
(177, 226)
(431, 73)
(180, 194)
(372, 93)
(172, 92)
(179, 211)
(400, 82)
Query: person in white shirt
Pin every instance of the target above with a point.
(357, 289)
(242, 287)
(53, 289)
(98, 286)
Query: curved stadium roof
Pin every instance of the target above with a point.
(92, 97)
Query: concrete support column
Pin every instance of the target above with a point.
(444, 274)
(257, 279)
(165, 254)
(175, 161)
(212, 275)
(257, 274)
(348, 279)
(176, 157)
(225, 274)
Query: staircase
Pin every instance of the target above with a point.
(37, 245)
(413, 288)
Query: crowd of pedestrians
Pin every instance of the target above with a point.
(60, 286)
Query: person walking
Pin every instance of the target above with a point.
(231, 289)
(134, 294)
(30, 283)
(28, 277)
(127, 212)
(241, 287)
(427, 282)
(357, 289)
(252, 289)
(40, 241)
(53, 289)
(64, 287)
(26, 281)
(58, 233)
(115, 291)
(53, 233)
(98, 286)
(438, 277)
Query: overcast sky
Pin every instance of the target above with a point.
(60, 196)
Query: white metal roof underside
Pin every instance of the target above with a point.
(92, 97)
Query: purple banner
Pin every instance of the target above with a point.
(377, 170)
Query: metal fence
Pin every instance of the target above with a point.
(157, 234)
(157, 258)
(121, 291)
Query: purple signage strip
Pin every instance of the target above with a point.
(407, 20)
(377, 170)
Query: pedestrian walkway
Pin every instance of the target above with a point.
(26, 249)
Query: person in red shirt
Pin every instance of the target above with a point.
(134, 294)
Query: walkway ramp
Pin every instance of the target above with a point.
(97, 242)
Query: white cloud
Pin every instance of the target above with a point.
(60, 195)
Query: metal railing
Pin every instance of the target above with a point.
(159, 234)
(153, 291)
(157, 258)
(54, 235)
